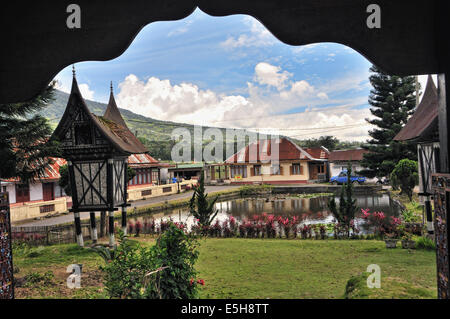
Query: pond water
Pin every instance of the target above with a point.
(309, 210)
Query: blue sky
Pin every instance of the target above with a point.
(231, 72)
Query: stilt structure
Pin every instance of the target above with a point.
(97, 149)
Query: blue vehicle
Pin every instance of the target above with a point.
(342, 178)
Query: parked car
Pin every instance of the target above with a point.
(342, 178)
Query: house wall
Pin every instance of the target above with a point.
(11, 189)
(266, 177)
(36, 192)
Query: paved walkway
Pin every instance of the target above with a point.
(160, 199)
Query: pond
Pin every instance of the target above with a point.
(309, 210)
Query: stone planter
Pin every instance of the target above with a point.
(391, 243)
(408, 244)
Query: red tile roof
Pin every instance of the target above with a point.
(347, 155)
(260, 151)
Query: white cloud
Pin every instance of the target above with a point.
(180, 30)
(85, 91)
(271, 75)
(180, 103)
(263, 109)
(256, 36)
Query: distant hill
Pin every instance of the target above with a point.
(146, 127)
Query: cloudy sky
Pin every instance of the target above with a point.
(232, 72)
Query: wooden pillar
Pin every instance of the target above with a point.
(94, 236)
(111, 228)
(102, 223)
(124, 220)
(78, 231)
(441, 200)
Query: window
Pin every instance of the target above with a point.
(22, 193)
(238, 170)
(257, 170)
(296, 169)
(155, 176)
(275, 169)
(343, 174)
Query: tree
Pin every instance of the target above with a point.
(405, 175)
(393, 101)
(24, 145)
(200, 207)
(345, 214)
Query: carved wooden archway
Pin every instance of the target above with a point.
(412, 39)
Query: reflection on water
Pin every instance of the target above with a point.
(310, 210)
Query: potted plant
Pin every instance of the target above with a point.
(407, 242)
(390, 240)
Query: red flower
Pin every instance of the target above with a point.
(201, 282)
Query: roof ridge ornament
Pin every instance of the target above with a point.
(73, 70)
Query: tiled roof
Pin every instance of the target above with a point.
(260, 151)
(347, 155)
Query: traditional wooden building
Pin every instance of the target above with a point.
(277, 161)
(422, 128)
(96, 149)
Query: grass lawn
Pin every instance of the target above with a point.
(255, 268)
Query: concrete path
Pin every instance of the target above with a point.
(85, 215)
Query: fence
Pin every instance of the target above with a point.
(48, 235)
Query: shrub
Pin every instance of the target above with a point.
(163, 271)
(425, 243)
(178, 252)
(405, 175)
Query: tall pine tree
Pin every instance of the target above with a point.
(393, 101)
(24, 149)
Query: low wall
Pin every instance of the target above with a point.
(32, 210)
(141, 193)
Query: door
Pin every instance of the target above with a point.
(22, 193)
(48, 191)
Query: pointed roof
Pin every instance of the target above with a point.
(112, 112)
(118, 135)
(424, 122)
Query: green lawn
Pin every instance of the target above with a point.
(257, 268)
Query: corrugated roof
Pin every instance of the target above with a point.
(424, 122)
(142, 160)
(347, 155)
(51, 171)
(260, 151)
